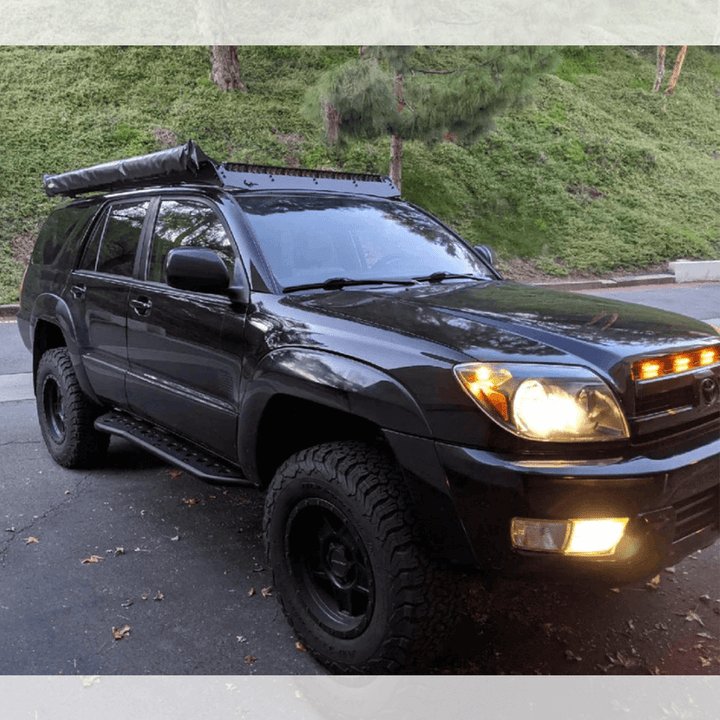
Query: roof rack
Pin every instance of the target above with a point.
(266, 177)
(189, 164)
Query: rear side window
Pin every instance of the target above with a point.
(58, 230)
(114, 241)
(183, 223)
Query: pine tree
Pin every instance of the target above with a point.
(387, 91)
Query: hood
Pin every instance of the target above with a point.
(501, 320)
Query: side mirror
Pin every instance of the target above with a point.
(198, 269)
(487, 254)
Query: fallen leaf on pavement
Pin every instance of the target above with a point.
(92, 559)
(145, 596)
(241, 638)
(119, 551)
(620, 659)
(250, 659)
(300, 647)
(692, 615)
(266, 591)
(191, 501)
(251, 592)
(175, 474)
(159, 596)
(704, 661)
(653, 584)
(121, 633)
(30, 540)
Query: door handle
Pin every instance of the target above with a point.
(141, 306)
(78, 291)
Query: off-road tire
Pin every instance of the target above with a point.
(66, 414)
(348, 563)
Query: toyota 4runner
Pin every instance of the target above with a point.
(310, 333)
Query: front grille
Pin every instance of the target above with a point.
(669, 400)
(697, 513)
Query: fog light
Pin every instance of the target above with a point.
(570, 537)
(595, 537)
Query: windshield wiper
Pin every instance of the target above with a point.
(338, 283)
(440, 276)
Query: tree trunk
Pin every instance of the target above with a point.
(226, 68)
(660, 66)
(396, 140)
(676, 70)
(396, 160)
(332, 123)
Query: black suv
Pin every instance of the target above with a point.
(407, 410)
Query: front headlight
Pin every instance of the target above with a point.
(553, 403)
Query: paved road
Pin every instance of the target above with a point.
(699, 300)
(179, 559)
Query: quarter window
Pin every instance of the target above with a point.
(113, 244)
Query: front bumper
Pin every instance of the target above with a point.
(672, 501)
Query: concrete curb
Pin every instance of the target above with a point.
(8, 311)
(630, 281)
(695, 270)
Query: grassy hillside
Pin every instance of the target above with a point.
(596, 173)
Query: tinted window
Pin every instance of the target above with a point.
(311, 239)
(119, 240)
(187, 224)
(59, 230)
(89, 258)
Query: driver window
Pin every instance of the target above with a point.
(184, 223)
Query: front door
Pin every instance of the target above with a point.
(182, 374)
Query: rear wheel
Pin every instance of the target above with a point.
(350, 569)
(66, 414)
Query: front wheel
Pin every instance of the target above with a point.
(352, 576)
(66, 414)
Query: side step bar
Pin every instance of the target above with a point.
(171, 448)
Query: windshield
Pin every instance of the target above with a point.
(310, 239)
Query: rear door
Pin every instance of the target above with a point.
(97, 295)
(185, 348)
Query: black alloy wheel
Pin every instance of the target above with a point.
(330, 566)
(52, 400)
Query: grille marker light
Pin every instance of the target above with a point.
(675, 364)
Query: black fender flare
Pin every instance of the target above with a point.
(335, 381)
(55, 311)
